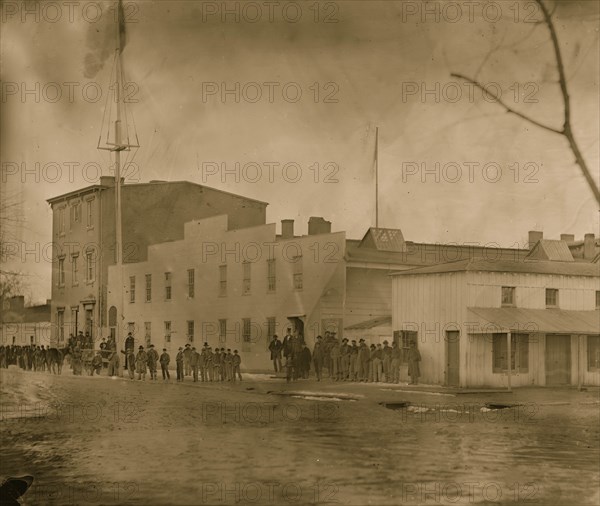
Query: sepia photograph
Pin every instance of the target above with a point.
(300, 252)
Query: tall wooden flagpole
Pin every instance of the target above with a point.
(377, 177)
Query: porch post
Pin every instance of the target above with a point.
(509, 347)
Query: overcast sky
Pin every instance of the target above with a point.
(370, 66)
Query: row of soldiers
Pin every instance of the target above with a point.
(29, 357)
(345, 361)
(220, 365)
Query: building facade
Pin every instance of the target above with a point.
(83, 239)
(469, 317)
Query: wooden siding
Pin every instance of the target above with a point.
(368, 295)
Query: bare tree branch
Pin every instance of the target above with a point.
(567, 130)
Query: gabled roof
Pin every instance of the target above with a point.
(524, 266)
(383, 239)
(548, 249)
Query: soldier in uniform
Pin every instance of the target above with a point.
(318, 357)
(209, 364)
(335, 360)
(387, 359)
(275, 347)
(286, 346)
(345, 360)
(97, 363)
(186, 359)
(194, 363)
(77, 361)
(217, 365)
(353, 361)
(113, 362)
(395, 363)
(129, 346)
(130, 361)
(164, 365)
(203, 363)
(141, 363)
(236, 362)
(179, 364)
(363, 361)
(152, 360)
(414, 357)
(305, 360)
(228, 364)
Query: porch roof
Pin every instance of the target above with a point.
(535, 320)
(380, 321)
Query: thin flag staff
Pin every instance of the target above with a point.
(116, 136)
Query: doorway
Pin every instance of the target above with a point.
(558, 359)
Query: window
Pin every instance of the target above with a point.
(131, 288)
(593, 353)
(271, 326)
(61, 221)
(190, 330)
(222, 330)
(89, 213)
(61, 272)
(147, 332)
(74, 272)
(298, 277)
(404, 338)
(74, 315)
(75, 214)
(508, 295)
(246, 330)
(597, 299)
(271, 279)
(89, 266)
(551, 297)
(519, 358)
(60, 322)
(191, 283)
(222, 280)
(168, 332)
(247, 269)
(148, 287)
(131, 328)
(167, 285)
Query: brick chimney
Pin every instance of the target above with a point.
(589, 246)
(317, 225)
(534, 237)
(287, 229)
(567, 237)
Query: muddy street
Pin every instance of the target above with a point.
(102, 441)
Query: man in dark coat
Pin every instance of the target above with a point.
(414, 357)
(164, 365)
(275, 348)
(179, 363)
(305, 358)
(318, 356)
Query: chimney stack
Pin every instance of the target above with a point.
(589, 246)
(317, 225)
(287, 229)
(534, 237)
(567, 237)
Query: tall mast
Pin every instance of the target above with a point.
(377, 177)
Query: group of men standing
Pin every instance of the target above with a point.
(220, 365)
(345, 361)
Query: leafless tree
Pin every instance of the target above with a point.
(566, 129)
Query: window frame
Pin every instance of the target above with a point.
(519, 359)
(148, 287)
(553, 291)
(513, 292)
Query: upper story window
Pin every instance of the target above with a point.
(246, 285)
(298, 273)
(148, 287)
(75, 214)
(508, 295)
(222, 280)
(271, 275)
(167, 285)
(551, 297)
(61, 271)
(61, 220)
(90, 213)
(74, 270)
(191, 283)
(89, 266)
(131, 288)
